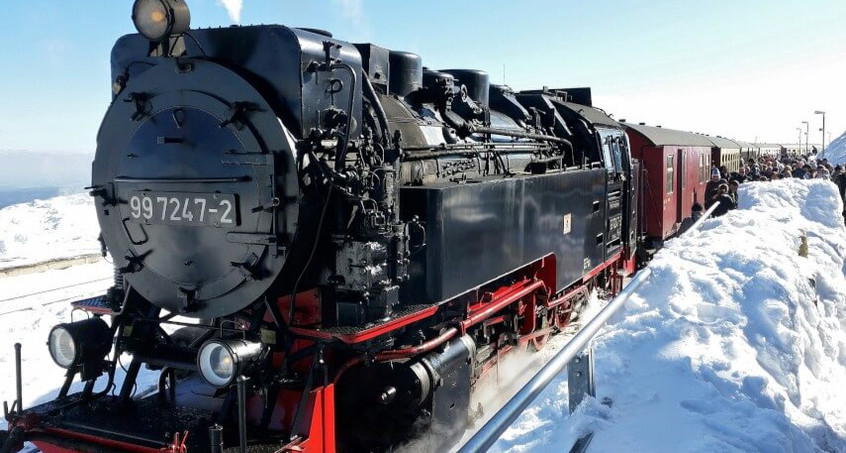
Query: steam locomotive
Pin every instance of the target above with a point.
(358, 240)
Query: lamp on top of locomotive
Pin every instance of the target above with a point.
(157, 20)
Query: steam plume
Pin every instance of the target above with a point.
(233, 7)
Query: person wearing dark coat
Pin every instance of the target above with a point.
(840, 180)
(713, 184)
(733, 192)
(725, 200)
(695, 214)
(739, 176)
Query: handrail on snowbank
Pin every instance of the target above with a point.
(494, 428)
(705, 216)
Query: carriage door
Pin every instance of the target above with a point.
(682, 181)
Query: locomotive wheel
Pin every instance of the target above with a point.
(563, 316)
(538, 342)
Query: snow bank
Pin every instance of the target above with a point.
(735, 344)
(835, 152)
(43, 230)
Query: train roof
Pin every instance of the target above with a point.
(593, 114)
(660, 136)
(724, 143)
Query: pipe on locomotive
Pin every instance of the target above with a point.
(399, 354)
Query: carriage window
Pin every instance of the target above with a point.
(706, 167)
(670, 171)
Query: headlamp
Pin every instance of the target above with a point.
(156, 20)
(77, 343)
(221, 361)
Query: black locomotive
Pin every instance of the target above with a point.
(359, 238)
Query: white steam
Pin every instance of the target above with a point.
(233, 7)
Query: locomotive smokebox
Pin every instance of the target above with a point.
(198, 194)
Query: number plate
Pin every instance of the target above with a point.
(184, 208)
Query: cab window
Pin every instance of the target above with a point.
(617, 154)
(606, 153)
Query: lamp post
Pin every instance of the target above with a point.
(800, 139)
(820, 112)
(807, 149)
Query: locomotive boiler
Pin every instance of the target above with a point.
(323, 246)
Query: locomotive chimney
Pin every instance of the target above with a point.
(406, 73)
(477, 82)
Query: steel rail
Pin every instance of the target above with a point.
(494, 428)
(52, 290)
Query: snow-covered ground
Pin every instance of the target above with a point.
(42, 230)
(735, 344)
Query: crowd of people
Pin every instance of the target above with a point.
(723, 185)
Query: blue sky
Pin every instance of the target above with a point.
(743, 69)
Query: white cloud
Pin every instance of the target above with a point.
(352, 10)
(233, 7)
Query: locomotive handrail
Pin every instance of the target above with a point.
(494, 428)
(223, 180)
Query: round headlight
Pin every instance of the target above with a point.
(62, 347)
(72, 344)
(221, 361)
(158, 19)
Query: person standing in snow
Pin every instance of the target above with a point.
(740, 175)
(713, 184)
(722, 197)
(695, 214)
(733, 192)
(840, 179)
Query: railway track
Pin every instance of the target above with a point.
(60, 294)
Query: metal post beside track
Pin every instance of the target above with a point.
(18, 379)
(580, 378)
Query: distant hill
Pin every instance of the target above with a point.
(34, 175)
(9, 197)
(38, 169)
